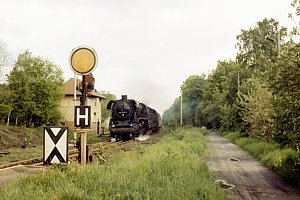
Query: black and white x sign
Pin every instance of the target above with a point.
(55, 145)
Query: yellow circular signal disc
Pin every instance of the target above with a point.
(83, 60)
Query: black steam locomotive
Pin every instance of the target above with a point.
(129, 118)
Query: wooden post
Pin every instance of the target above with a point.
(75, 99)
(83, 133)
(83, 147)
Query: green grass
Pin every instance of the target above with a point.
(174, 168)
(232, 136)
(284, 161)
(258, 149)
(17, 154)
(13, 136)
(93, 137)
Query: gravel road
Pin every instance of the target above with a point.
(241, 175)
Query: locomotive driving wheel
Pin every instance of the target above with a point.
(143, 130)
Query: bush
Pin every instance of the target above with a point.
(286, 162)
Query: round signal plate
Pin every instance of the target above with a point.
(83, 60)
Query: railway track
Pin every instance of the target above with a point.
(92, 151)
(96, 153)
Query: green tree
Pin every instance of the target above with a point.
(5, 103)
(259, 50)
(294, 34)
(256, 108)
(287, 96)
(208, 110)
(105, 114)
(260, 46)
(217, 106)
(171, 117)
(36, 87)
(192, 93)
(5, 60)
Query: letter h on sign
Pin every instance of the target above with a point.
(82, 117)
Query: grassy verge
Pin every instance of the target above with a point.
(17, 154)
(174, 168)
(13, 136)
(285, 161)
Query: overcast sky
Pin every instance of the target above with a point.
(146, 48)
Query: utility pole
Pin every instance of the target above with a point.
(238, 82)
(181, 108)
(278, 41)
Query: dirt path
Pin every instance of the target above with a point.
(13, 173)
(242, 175)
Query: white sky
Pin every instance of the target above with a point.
(146, 48)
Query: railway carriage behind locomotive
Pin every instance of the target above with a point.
(130, 118)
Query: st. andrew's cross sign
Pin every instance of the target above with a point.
(55, 145)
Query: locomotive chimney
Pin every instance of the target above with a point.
(124, 97)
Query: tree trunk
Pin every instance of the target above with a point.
(8, 118)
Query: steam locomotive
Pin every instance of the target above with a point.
(130, 118)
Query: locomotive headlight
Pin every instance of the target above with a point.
(130, 124)
(113, 126)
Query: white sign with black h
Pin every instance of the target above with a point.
(82, 117)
